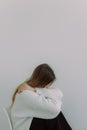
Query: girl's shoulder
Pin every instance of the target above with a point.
(24, 86)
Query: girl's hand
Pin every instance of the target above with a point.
(25, 86)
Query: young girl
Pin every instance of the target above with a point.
(36, 98)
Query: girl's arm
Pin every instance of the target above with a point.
(32, 104)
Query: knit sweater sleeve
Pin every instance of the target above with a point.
(46, 104)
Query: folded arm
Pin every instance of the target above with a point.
(46, 105)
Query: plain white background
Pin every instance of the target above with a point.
(46, 31)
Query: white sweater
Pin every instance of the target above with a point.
(44, 103)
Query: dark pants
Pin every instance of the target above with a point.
(58, 123)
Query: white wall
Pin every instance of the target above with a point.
(46, 31)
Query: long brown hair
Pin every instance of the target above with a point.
(41, 76)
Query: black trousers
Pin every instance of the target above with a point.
(58, 123)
